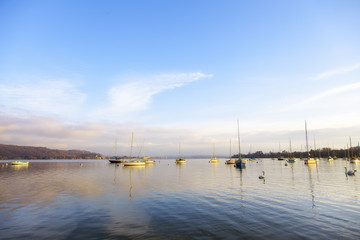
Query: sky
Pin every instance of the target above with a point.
(87, 74)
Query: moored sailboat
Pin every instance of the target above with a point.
(213, 158)
(133, 163)
(180, 160)
(308, 160)
(240, 163)
(230, 160)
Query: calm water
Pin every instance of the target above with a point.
(199, 200)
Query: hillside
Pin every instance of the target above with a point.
(25, 152)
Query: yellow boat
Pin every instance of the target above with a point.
(180, 161)
(19, 163)
(310, 161)
(214, 160)
(134, 164)
(230, 161)
(149, 161)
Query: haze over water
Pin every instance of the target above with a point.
(198, 200)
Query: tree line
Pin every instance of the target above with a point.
(24, 152)
(323, 153)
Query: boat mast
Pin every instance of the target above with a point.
(239, 139)
(307, 147)
(315, 147)
(352, 155)
(132, 138)
(230, 148)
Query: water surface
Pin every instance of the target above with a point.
(197, 200)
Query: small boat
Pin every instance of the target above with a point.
(148, 161)
(133, 163)
(19, 163)
(240, 163)
(115, 159)
(214, 159)
(308, 160)
(136, 163)
(230, 160)
(180, 161)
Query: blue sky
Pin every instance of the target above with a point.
(79, 74)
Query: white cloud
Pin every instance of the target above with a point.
(137, 94)
(334, 91)
(336, 72)
(41, 97)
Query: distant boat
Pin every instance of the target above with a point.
(291, 159)
(133, 163)
(214, 159)
(180, 160)
(115, 159)
(19, 163)
(353, 159)
(240, 163)
(308, 160)
(148, 161)
(230, 161)
(281, 158)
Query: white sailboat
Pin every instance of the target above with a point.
(230, 161)
(308, 160)
(180, 160)
(133, 163)
(291, 159)
(213, 158)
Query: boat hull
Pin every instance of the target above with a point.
(115, 161)
(214, 160)
(134, 164)
(19, 163)
(230, 161)
(310, 161)
(241, 163)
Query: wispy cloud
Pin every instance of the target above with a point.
(336, 72)
(333, 91)
(137, 94)
(44, 96)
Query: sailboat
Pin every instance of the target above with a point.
(180, 160)
(133, 163)
(352, 158)
(240, 163)
(280, 157)
(20, 162)
(230, 161)
(115, 159)
(308, 160)
(316, 158)
(330, 158)
(291, 159)
(213, 158)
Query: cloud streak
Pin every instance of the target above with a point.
(39, 97)
(336, 72)
(138, 95)
(333, 91)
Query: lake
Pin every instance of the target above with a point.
(55, 199)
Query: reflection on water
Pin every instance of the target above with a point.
(197, 200)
